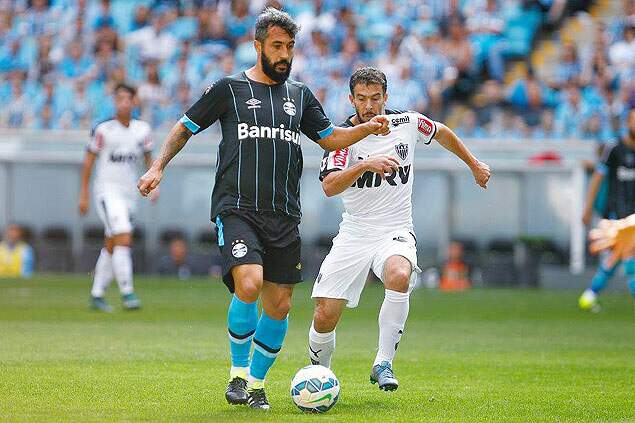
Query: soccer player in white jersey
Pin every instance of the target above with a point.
(374, 178)
(117, 146)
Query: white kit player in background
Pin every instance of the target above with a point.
(374, 178)
(117, 145)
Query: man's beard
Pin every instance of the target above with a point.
(363, 119)
(270, 69)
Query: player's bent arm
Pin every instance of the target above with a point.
(176, 140)
(451, 142)
(594, 188)
(345, 137)
(87, 170)
(337, 182)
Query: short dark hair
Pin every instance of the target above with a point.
(368, 76)
(128, 88)
(271, 17)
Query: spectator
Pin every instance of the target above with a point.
(76, 64)
(469, 126)
(179, 262)
(546, 130)
(16, 256)
(571, 113)
(18, 112)
(154, 42)
(622, 54)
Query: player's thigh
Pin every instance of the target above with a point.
(344, 271)
(396, 259)
(241, 255)
(114, 211)
(276, 299)
(327, 313)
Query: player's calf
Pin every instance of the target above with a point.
(322, 332)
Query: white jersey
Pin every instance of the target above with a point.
(120, 150)
(372, 204)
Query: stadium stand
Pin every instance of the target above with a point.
(60, 58)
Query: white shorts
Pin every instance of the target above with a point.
(344, 270)
(115, 211)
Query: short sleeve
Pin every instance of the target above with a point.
(314, 123)
(334, 161)
(96, 143)
(211, 106)
(146, 139)
(426, 128)
(607, 161)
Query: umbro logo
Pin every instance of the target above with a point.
(253, 103)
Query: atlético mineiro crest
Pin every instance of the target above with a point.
(425, 126)
(402, 150)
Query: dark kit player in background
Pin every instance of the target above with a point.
(617, 167)
(256, 196)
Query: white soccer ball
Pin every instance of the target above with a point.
(315, 389)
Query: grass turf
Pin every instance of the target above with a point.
(483, 355)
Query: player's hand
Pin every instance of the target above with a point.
(616, 235)
(482, 173)
(149, 181)
(379, 125)
(83, 205)
(381, 164)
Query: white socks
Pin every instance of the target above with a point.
(321, 346)
(122, 268)
(392, 319)
(103, 274)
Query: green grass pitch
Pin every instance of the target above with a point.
(483, 355)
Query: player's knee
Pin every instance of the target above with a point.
(398, 279)
(248, 288)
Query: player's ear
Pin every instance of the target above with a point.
(386, 97)
(258, 47)
(350, 98)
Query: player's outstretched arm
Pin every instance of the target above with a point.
(177, 138)
(451, 142)
(615, 235)
(87, 170)
(594, 188)
(336, 182)
(341, 138)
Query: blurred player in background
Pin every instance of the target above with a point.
(117, 146)
(375, 178)
(256, 196)
(618, 167)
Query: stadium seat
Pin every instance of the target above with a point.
(93, 241)
(54, 250)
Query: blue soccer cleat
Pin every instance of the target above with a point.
(99, 304)
(382, 374)
(131, 302)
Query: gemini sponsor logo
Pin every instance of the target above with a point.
(245, 131)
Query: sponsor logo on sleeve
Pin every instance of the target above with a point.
(339, 157)
(425, 126)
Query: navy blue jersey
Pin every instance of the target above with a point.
(618, 167)
(259, 161)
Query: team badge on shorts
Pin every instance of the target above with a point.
(239, 249)
(402, 150)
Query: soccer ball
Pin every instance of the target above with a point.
(315, 389)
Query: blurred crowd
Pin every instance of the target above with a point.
(59, 60)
